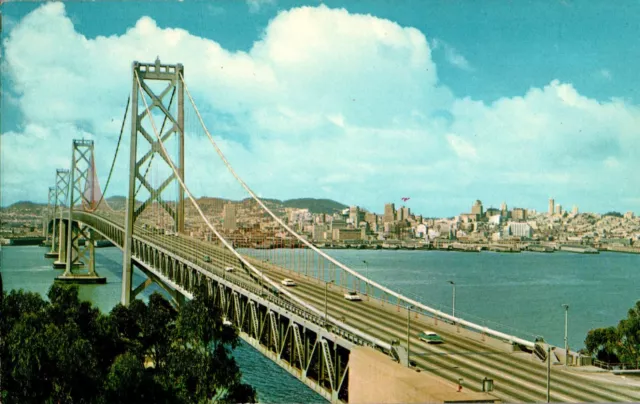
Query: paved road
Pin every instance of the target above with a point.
(517, 377)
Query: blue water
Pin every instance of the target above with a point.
(520, 294)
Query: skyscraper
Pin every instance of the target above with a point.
(230, 217)
(354, 215)
(551, 206)
(558, 209)
(406, 212)
(476, 209)
(389, 213)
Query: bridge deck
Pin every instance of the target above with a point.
(516, 377)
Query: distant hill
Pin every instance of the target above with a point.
(315, 205)
(25, 207)
(209, 205)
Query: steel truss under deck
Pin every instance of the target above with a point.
(300, 342)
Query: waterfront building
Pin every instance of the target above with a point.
(318, 232)
(356, 215)
(230, 217)
(421, 231)
(476, 209)
(551, 206)
(495, 219)
(468, 217)
(406, 213)
(340, 223)
(348, 234)
(373, 220)
(389, 213)
(519, 229)
(519, 214)
(299, 216)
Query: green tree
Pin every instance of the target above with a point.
(200, 359)
(619, 344)
(66, 351)
(601, 343)
(614, 214)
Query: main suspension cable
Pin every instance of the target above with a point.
(113, 163)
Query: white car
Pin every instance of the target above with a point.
(353, 296)
(229, 269)
(288, 282)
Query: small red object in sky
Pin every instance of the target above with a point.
(405, 199)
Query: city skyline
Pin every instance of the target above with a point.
(395, 105)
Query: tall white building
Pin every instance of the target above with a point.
(520, 229)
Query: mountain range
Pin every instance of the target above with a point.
(118, 203)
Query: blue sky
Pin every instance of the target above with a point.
(363, 102)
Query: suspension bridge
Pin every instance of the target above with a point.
(181, 244)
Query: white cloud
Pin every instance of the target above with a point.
(256, 5)
(325, 104)
(461, 147)
(452, 55)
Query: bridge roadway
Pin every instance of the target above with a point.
(517, 378)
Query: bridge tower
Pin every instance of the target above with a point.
(146, 76)
(58, 241)
(79, 238)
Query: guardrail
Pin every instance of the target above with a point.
(614, 366)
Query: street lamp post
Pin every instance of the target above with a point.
(454, 298)
(566, 330)
(408, 335)
(366, 274)
(326, 288)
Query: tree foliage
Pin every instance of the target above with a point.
(619, 344)
(613, 213)
(66, 351)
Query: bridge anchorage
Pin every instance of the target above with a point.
(79, 243)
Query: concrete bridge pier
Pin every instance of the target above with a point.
(80, 255)
(53, 252)
(61, 262)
